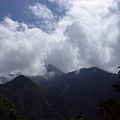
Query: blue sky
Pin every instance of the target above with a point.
(18, 10)
(69, 34)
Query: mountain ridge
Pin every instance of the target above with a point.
(84, 88)
(33, 102)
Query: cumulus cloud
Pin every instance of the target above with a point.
(41, 11)
(87, 35)
(22, 48)
(62, 3)
(45, 15)
(95, 30)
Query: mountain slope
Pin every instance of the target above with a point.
(29, 99)
(84, 89)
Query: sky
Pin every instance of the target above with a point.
(68, 34)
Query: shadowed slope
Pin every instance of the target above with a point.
(30, 99)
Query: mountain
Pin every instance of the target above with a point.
(85, 88)
(51, 68)
(32, 101)
(52, 73)
(61, 96)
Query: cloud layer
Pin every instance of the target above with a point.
(87, 35)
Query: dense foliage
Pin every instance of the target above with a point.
(7, 110)
(110, 109)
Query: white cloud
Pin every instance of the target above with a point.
(23, 50)
(41, 11)
(46, 17)
(88, 35)
(94, 30)
(61, 2)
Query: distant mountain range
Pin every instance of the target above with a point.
(84, 88)
(58, 96)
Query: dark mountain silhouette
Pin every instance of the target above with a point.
(33, 102)
(84, 88)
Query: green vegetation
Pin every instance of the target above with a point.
(7, 110)
(110, 109)
(81, 116)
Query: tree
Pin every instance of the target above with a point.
(116, 86)
(81, 116)
(110, 109)
(7, 110)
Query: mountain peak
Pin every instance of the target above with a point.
(21, 77)
(22, 82)
(52, 72)
(30, 99)
(51, 68)
(92, 70)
